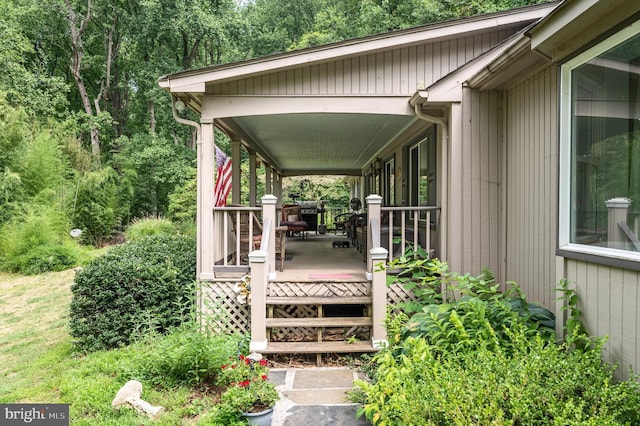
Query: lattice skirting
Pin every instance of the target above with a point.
(220, 310)
(222, 313)
(396, 293)
(319, 288)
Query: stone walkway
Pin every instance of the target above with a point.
(315, 396)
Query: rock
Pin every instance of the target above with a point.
(130, 395)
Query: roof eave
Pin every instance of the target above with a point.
(195, 79)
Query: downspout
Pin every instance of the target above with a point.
(184, 120)
(444, 211)
(196, 126)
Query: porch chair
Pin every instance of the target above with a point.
(291, 217)
(249, 241)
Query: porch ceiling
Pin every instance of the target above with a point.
(318, 143)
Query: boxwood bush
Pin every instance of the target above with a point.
(139, 286)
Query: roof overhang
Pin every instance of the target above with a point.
(576, 23)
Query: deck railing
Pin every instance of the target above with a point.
(408, 227)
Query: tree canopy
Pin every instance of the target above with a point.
(84, 122)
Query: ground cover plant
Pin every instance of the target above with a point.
(178, 370)
(467, 354)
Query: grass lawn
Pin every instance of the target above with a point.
(38, 363)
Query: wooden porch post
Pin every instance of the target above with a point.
(236, 157)
(373, 212)
(269, 214)
(268, 179)
(206, 179)
(277, 190)
(378, 297)
(253, 188)
(259, 279)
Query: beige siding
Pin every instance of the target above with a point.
(608, 298)
(531, 183)
(393, 72)
(476, 239)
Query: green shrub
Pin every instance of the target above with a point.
(141, 228)
(37, 242)
(95, 209)
(540, 383)
(187, 356)
(456, 312)
(133, 288)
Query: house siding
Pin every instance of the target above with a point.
(531, 185)
(393, 72)
(608, 298)
(475, 235)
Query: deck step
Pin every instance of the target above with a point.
(319, 300)
(317, 347)
(319, 322)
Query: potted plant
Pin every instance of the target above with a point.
(248, 392)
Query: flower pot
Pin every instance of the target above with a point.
(262, 418)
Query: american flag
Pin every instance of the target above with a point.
(223, 181)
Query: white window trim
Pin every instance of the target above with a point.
(564, 192)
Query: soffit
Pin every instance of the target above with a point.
(318, 143)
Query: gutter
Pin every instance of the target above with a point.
(174, 100)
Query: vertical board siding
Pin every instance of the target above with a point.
(608, 298)
(392, 72)
(531, 184)
(479, 236)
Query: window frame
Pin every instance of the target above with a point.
(565, 246)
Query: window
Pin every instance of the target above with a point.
(600, 148)
(422, 171)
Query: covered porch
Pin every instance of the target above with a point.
(378, 110)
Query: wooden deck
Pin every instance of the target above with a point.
(315, 259)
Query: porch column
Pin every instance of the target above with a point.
(268, 177)
(373, 212)
(378, 297)
(259, 278)
(277, 190)
(236, 160)
(269, 213)
(205, 179)
(252, 179)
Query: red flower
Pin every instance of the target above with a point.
(244, 383)
(263, 362)
(224, 366)
(264, 377)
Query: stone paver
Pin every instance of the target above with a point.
(316, 395)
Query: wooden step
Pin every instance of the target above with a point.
(319, 322)
(317, 347)
(319, 300)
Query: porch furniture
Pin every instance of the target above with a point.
(340, 222)
(291, 217)
(281, 239)
(248, 230)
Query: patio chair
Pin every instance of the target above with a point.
(249, 232)
(291, 215)
(340, 222)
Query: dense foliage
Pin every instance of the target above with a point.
(143, 285)
(85, 126)
(538, 383)
(186, 356)
(465, 353)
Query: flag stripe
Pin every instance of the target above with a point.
(222, 185)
